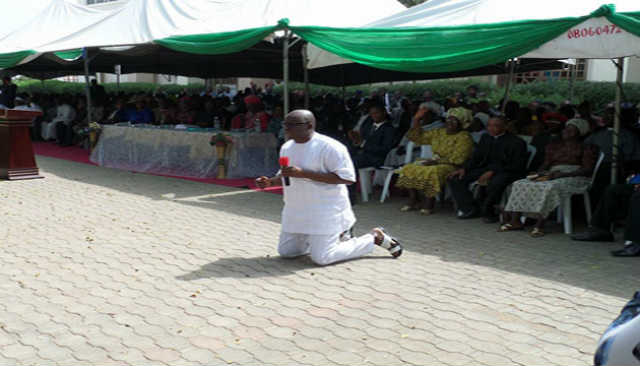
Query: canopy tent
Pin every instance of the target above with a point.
(229, 46)
(447, 35)
(261, 60)
(20, 15)
(195, 26)
(416, 46)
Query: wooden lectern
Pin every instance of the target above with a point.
(17, 160)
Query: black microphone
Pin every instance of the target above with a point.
(284, 162)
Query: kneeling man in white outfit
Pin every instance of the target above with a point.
(317, 218)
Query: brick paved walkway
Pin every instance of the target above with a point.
(99, 266)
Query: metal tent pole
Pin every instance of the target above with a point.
(572, 81)
(616, 122)
(86, 79)
(305, 62)
(285, 71)
(512, 65)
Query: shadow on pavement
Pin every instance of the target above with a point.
(256, 267)
(554, 257)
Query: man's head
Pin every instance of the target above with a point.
(94, 82)
(299, 125)
(497, 126)
(378, 113)
(6, 80)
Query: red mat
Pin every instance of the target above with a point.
(80, 155)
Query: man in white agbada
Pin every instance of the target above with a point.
(317, 216)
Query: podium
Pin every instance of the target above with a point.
(17, 160)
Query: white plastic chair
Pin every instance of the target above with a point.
(425, 153)
(564, 210)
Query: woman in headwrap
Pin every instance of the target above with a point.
(566, 170)
(451, 147)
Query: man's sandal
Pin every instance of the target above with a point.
(536, 233)
(425, 212)
(509, 227)
(391, 244)
(407, 208)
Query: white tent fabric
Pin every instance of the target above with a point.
(71, 26)
(591, 40)
(20, 15)
(57, 20)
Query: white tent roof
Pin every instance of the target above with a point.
(56, 21)
(65, 26)
(20, 15)
(466, 12)
(436, 13)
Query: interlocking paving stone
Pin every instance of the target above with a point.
(100, 266)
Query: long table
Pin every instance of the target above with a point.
(184, 153)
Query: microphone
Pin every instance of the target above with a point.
(284, 162)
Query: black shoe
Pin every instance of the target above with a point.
(492, 219)
(593, 234)
(631, 250)
(471, 214)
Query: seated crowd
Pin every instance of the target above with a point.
(481, 157)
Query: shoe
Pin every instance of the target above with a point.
(471, 214)
(631, 250)
(593, 234)
(490, 219)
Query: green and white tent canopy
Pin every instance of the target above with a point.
(451, 35)
(205, 27)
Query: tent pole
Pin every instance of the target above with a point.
(88, 88)
(285, 71)
(512, 65)
(305, 61)
(572, 80)
(616, 122)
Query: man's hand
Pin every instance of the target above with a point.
(292, 171)
(485, 178)
(420, 113)
(263, 182)
(355, 137)
(456, 174)
(429, 162)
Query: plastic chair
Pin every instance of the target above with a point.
(564, 210)
(425, 153)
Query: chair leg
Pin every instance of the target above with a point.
(365, 184)
(385, 188)
(567, 217)
(587, 207)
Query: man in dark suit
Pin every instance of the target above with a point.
(617, 199)
(499, 159)
(377, 135)
(8, 92)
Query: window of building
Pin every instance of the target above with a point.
(552, 75)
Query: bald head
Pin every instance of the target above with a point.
(299, 125)
(301, 116)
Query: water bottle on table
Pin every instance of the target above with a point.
(257, 125)
(216, 123)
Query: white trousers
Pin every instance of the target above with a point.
(324, 249)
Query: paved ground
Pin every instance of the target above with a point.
(99, 266)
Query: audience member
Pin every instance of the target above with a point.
(567, 170)
(499, 160)
(451, 147)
